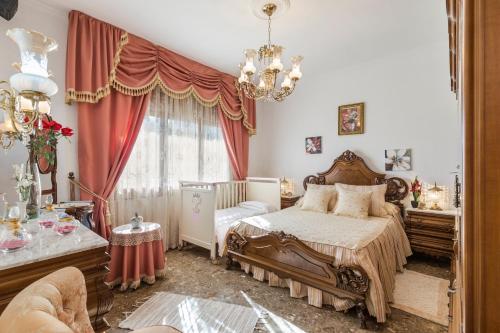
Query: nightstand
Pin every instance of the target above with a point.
(289, 201)
(431, 231)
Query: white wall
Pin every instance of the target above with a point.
(54, 23)
(408, 104)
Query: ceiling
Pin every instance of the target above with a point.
(328, 33)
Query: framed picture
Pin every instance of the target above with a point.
(313, 145)
(352, 119)
(397, 159)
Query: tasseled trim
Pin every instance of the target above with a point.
(93, 97)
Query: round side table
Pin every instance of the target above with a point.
(136, 255)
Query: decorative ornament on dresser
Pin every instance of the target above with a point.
(136, 221)
(397, 159)
(351, 119)
(287, 186)
(25, 108)
(416, 191)
(435, 195)
(270, 66)
(313, 145)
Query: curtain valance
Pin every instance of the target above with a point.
(101, 57)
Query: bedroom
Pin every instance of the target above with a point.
(330, 184)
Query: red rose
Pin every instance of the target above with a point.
(26, 119)
(66, 131)
(45, 124)
(56, 126)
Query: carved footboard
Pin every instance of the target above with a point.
(288, 257)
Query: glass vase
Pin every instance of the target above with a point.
(35, 193)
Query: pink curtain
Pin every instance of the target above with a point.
(106, 135)
(135, 66)
(111, 73)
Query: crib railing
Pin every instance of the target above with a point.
(227, 194)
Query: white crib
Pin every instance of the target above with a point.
(200, 200)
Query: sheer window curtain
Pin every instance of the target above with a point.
(179, 140)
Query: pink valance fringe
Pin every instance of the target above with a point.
(101, 57)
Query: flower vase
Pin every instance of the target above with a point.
(414, 204)
(22, 210)
(35, 193)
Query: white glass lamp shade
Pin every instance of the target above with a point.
(34, 47)
(44, 107)
(243, 77)
(6, 125)
(23, 82)
(276, 64)
(25, 104)
(249, 68)
(295, 73)
(287, 187)
(287, 82)
(262, 84)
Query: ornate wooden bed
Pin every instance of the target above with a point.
(288, 257)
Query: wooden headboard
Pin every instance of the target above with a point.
(349, 168)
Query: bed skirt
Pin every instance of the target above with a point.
(381, 259)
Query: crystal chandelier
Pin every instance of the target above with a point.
(26, 98)
(265, 85)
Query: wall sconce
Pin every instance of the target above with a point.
(27, 95)
(287, 187)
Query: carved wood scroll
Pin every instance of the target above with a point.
(351, 169)
(289, 258)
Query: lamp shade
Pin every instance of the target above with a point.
(33, 47)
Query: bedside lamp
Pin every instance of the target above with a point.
(287, 187)
(435, 196)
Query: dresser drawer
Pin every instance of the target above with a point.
(432, 223)
(431, 242)
(430, 232)
(435, 233)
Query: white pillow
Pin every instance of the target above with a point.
(352, 203)
(328, 188)
(316, 199)
(257, 205)
(377, 199)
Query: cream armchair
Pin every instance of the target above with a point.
(56, 303)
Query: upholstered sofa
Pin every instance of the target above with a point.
(54, 304)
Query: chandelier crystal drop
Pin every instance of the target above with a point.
(268, 80)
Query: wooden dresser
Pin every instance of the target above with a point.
(430, 231)
(49, 252)
(289, 201)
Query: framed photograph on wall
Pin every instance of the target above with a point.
(313, 145)
(397, 159)
(352, 119)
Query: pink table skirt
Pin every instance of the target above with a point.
(132, 264)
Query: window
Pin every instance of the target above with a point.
(179, 140)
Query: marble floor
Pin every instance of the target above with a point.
(190, 272)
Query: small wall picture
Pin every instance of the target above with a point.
(397, 159)
(352, 119)
(313, 145)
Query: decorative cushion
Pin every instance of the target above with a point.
(377, 199)
(316, 199)
(352, 203)
(329, 188)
